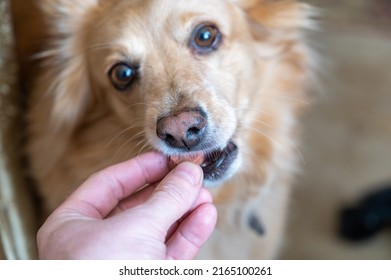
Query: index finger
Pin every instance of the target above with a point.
(99, 195)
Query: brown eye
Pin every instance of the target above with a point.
(122, 75)
(205, 38)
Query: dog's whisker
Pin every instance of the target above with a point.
(136, 104)
(254, 109)
(131, 153)
(140, 134)
(120, 148)
(137, 125)
(137, 135)
(256, 159)
(143, 148)
(285, 97)
(116, 136)
(264, 133)
(260, 122)
(297, 150)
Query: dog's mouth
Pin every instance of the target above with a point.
(214, 164)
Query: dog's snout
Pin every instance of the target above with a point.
(184, 129)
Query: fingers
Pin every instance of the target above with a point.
(204, 197)
(174, 196)
(133, 200)
(98, 196)
(192, 233)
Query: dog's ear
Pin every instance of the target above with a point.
(61, 91)
(65, 78)
(279, 15)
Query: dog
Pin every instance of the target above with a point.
(224, 79)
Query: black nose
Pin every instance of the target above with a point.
(184, 129)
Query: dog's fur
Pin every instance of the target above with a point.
(252, 89)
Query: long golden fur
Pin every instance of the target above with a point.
(251, 88)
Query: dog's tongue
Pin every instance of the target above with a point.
(195, 158)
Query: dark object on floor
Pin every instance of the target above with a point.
(371, 215)
(256, 225)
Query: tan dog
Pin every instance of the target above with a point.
(220, 79)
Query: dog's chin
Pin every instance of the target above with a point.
(219, 164)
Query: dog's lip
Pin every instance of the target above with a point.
(215, 163)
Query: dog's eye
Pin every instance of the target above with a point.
(205, 39)
(122, 75)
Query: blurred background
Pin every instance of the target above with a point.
(346, 136)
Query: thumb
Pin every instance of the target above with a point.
(175, 195)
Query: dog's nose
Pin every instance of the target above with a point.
(184, 129)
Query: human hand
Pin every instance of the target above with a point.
(109, 217)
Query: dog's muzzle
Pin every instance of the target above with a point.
(185, 133)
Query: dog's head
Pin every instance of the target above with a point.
(188, 76)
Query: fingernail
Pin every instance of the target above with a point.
(189, 172)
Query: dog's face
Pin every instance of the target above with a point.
(182, 70)
(184, 76)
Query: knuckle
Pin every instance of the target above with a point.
(176, 191)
